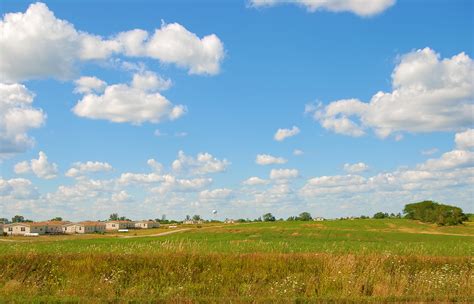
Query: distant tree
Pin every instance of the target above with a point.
(380, 215)
(4, 220)
(18, 219)
(292, 218)
(305, 216)
(163, 217)
(433, 212)
(197, 218)
(188, 218)
(114, 217)
(268, 217)
(57, 219)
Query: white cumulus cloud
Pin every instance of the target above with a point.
(80, 168)
(216, 194)
(203, 163)
(17, 117)
(358, 7)
(266, 159)
(283, 174)
(41, 167)
(136, 103)
(37, 44)
(429, 94)
(282, 134)
(465, 140)
(254, 180)
(356, 168)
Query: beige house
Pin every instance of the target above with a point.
(24, 228)
(55, 227)
(84, 227)
(146, 224)
(116, 225)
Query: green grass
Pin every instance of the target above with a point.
(369, 261)
(400, 237)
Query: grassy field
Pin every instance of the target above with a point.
(352, 260)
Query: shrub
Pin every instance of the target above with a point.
(433, 212)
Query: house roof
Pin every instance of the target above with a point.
(148, 222)
(40, 224)
(120, 222)
(91, 223)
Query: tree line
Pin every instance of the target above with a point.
(425, 211)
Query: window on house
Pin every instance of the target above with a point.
(22, 229)
(10, 229)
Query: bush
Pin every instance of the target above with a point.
(433, 212)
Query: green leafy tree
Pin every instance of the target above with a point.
(268, 217)
(305, 216)
(57, 219)
(380, 215)
(18, 219)
(433, 212)
(114, 217)
(197, 217)
(4, 220)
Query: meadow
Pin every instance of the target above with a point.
(390, 260)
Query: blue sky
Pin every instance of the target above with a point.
(266, 64)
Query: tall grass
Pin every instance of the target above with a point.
(214, 277)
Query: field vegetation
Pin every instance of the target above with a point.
(369, 260)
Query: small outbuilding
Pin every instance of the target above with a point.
(116, 225)
(146, 224)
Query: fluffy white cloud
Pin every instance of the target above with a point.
(173, 43)
(356, 168)
(451, 170)
(465, 140)
(172, 184)
(282, 134)
(283, 174)
(298, 152)
(121, 197)
(203, 163)
(429, 94)
(450, 160)
(266, 159)
(358, 7)
(156, 166)
(17, 188)
(41, 167)
(216, 194)
(136, 103)
(150, 81)
(254, 180)
(88, 85)
(80, 169)
(17, 117)
(36, 44)
(129, 178)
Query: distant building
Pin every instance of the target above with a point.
(192, 222)
(25, 228)
(146, 224)
(319, 219)
(229, 221)
(84, 227)
(116, 225)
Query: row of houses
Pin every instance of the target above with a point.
(57, 227)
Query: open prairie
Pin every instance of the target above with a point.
(390, 260)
